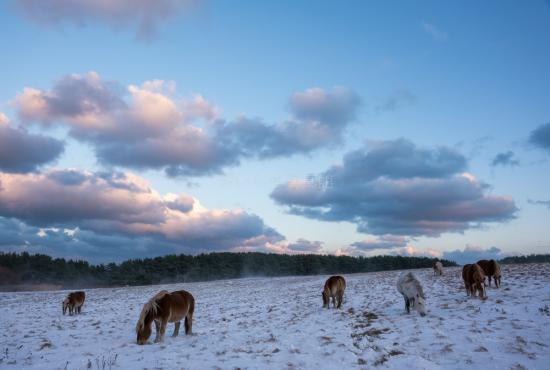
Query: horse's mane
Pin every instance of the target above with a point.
(410, 278)
(150, 306)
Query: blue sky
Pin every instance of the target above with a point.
(468, 76)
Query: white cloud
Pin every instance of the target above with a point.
(434, 31)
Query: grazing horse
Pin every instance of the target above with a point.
(74, 302)
(163, 308)
(438, 268)
(411, 289)
(334, 288)
(491, 268)
(474, 280)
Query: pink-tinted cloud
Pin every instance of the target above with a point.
(148, 127)
(124, 205)
(300, 246)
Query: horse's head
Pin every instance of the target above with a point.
(143, 334)
(420, 304)
(326, 298)
(143, 328)
(65, 305)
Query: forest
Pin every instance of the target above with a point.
(532, 258)
(25, 268)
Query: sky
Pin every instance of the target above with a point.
(133, 129)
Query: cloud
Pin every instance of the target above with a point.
(300, 246)
(397, 247)
(4, 121)
(505, 159)
(540, 137)
(21, 151)
(411, 251)
(395, 188)
(383, 242)
(545, 203)
(349, 251)
(146, 127)
(112, 210)
(306, 246)
(434, 32)
(143, 15)
(472, 254)
(396, 100)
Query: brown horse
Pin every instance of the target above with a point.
(491, 268)
(74, 302)
(163, 308)
(334, 288)
(474, 279)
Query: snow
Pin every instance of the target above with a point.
(279, 323)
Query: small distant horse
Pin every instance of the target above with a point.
(163, 308)
(411, 289)
(73, 302)
(438, 268)
(491, 268)
(334, 288)
(474, 280)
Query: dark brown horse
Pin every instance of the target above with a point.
(73, 302)
(474, 280)
(491, 268)
(334, 288)
(163, 308)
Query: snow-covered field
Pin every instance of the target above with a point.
(279, 323)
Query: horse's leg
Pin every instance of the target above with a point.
(489, 277)
(189, 324)
(157, 331)
(334, 301)
(340, 299)
(407, 305)
(176, 329)
(163, 324)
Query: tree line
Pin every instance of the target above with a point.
(532, 258)
(25, 268)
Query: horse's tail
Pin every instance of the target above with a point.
(150, 306)
(189, 316)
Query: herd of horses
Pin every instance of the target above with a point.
(166, 307)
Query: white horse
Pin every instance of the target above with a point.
(438, 268)
(411, 289)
